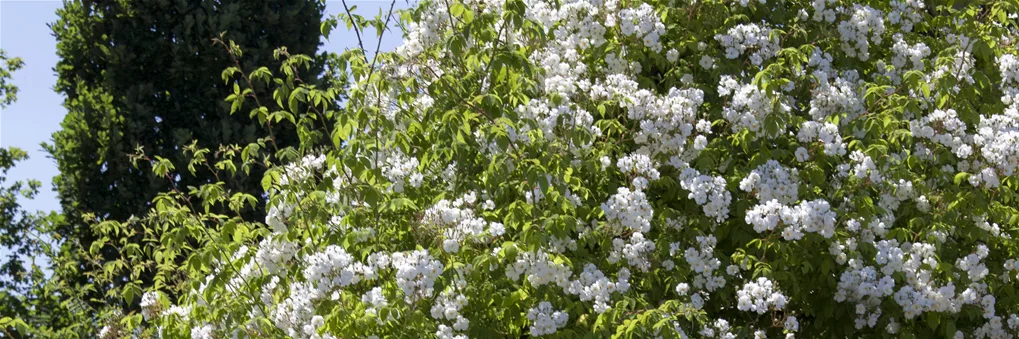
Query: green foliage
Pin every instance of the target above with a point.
(145, 75)
(16, 225)
(30, 302)
(503, 153)
(8, 91)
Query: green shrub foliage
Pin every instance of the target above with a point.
(527, 168)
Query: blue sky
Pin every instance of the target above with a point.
(38, 112)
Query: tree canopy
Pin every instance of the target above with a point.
(146, 74)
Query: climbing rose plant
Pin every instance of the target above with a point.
(587, 168)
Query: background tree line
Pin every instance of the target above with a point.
(137, 75)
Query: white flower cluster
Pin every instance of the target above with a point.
(635, 251)
(809, 216)
(1008, 65)
(447, 307)
(561, 245)
(424, 33)
(446, 332)
(945, 128)
(822, 10)
(703, 262)
(861, 285)
(998, 139)
(772, 181)
(324, 273)
(277, 215)
(760, 296)
(906, 13)
(709, 192)
(972, 264)
(578, 23)
(666, 121)
(992, 228)
(706, 62)
(203, 332)
(295, 314)
(334, 268)
(629, 209)
(749, 38)
(416, 272)
(748, 107)
(539, 269)
(299, 171)
(961, 66)
(548, 115)
(914, 54)
(1012, 265)
(836, 95)
(594, 285)
(639, 165)
(791, 324)
(149, 304)
(376, 299)
(643, 23)
(827, 133)
(865, 286)
(183, 313)
(400, 169)
(865, 167)
(866, 22)
(720, 328)
(273, 254)
(342, 180)
(106, 332)
(457, 222)
(546, 320)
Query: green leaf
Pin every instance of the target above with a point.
(400, 204)
(457, 9)
(950, 329)
(961, 177)
(933, 318)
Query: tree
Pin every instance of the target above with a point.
(723, 169)
(29, 300)
(8, 91)
(147, 75)
(16, 224)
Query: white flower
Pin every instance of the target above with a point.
(700, 143)
(791, 324)
(706, 62)
(203, 332)
(415, 179)
(682, 288)
(672, 55)
(802, 155)
(629, 209)
(760, 296)
(545, 320)
(686, 79)
(496, 229)
(149, 304)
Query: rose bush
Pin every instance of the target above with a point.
(587, 168)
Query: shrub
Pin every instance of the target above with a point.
(593, 168)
